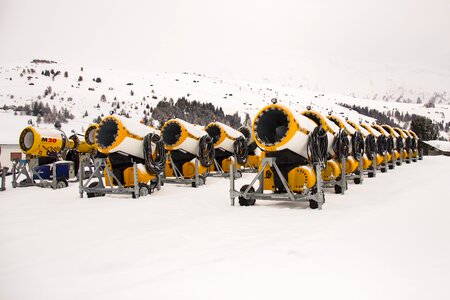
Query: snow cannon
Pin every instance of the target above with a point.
(341, 163)
(357, 138)
(187, 146)
(370, 141)
(254, 159)
(131, 147)
(294, 150)
(380, 142)
(79, 144)
(228, 143)
(405, 138)
(387, 145)
(43, 165)
(89, 135)
(415, 145)
(43, 142)
(398, 141)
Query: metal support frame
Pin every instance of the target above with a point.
(372, 170)
(399, 162)
(358, 174)
(4, 170)
(409, 158)
(22, 167)
(102, 170)
(393, 162)
(341, 181)
(305, 196)
(249, 169)
(196, 181)
(219, 172)
(421, 154)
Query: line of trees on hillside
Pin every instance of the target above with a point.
(193, 112)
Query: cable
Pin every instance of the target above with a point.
(400, 144)
(357, 145)
(371, 146)
(154, 165)
(341, 144)
(317, 147)
(241, 150)
(381, 144)
(390, 144)
(206, 151)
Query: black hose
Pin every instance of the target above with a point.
(357, 145)
(341, 145)
(206, 151)
(317, 147)
(390, 144)
(371, 146)
(154, 165)
(241, 150)
(382, 144)
(408, 143)
(400, 144)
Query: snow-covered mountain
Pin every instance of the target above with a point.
(92, 92)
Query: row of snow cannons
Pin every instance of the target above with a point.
(295, 156)
(124, 156)
(305, 153)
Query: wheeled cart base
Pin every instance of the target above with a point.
(248, 195)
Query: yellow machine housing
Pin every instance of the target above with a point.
(331, 171)
(298, 179)
(188, 170)
(43, 142)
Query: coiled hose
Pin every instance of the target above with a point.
(241, 150)
(390, 144)
(371, 146)
(317, 146)
(357, 145)
(381, 145)
(341, 145)
(154, 165)
(206, 151)
(408, 143)
(400, 144)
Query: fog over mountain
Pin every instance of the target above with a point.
(370, 49)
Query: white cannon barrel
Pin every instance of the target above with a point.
(119, 134)
(178, 134)
(223, 136)
(277, 128)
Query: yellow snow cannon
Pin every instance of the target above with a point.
(398, 141)
(44, 167)
(79, 144)
(339, 149)
(415, 145)
(254, 157)
(230, 147)
(89, 135)
(408, 151)
(294, 150)
(190, 152)
(370, 158)
(357, 149)
(134, 150)
(391, 154)
(43, 142)
(380, 140)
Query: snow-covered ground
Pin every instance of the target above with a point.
(385, 239)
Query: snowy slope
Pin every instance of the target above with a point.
(385, 239)
(150, 88)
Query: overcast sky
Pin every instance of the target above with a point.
(217, 36)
